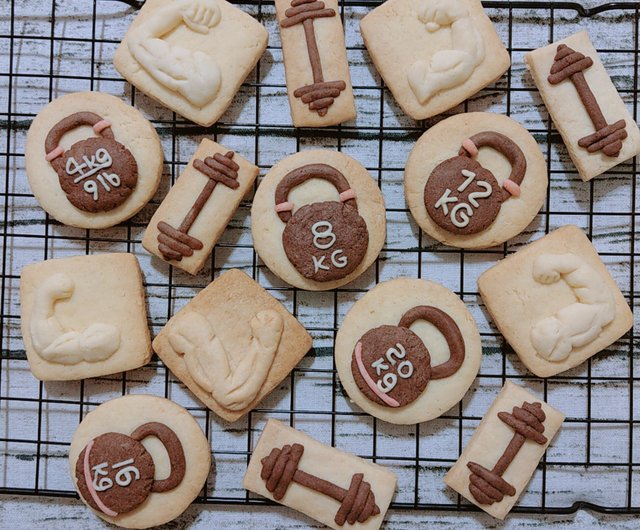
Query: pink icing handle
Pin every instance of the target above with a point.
(89, 482)
(370, 382)
(101, 126)
(284, 207)
(58, 151)
(511, 187)
(347, 195)
(470, 147)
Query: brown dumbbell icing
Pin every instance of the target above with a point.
(570, 64)
(280, 469)
(174, 244)
(488, 486)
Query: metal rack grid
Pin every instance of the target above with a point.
(592, 464)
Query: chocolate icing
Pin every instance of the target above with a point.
(324, 241)
(127, 479)
(488, 486)
(320, 95)
(466, 207)
(385, 348)
(570, 64)
(89, 185)
(280, 468)
(174, 244)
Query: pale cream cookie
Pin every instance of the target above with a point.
(499, 460)
(315, 62)
(434, 54)
(555, 302)
(407, 351)
(191, 55)
(139, 461)
(318, 220)
(335, 488)
(475, 180)
(92, 160)
(585, 106)
(197, 209)
(232, 344)
(84, 317)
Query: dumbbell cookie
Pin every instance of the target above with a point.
(92, 160)
(232, 344)
(191, 55)
(318, 81)
(318, 220)
(139, 461)
(199, 206)
(335, 488)
(555, 302)
(433, 54)
(84, 317)
(499, 460)
(475, 180)
(585, 106)
(407, 351)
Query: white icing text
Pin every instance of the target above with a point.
(462, 212)
(389, 380)
(126, 474)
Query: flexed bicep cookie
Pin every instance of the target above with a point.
(407, 351)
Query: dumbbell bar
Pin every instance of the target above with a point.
(487, 486)
(174, 244)
(280, 468)
(570, 64)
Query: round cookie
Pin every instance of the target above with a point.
(408, 351)
(318, 220)
(92, 160)
(475, 180)
(145, 457)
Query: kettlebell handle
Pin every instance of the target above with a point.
(99, 125)
(505, 146)
(445, 325)
(308, 172)
(174, 449)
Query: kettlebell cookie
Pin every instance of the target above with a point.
(585, 106)
(407, 351)
(475, 180)
(318, 220)
(433, 54)
(139, 461)
(84, 317)
(197, 209)
(191, 55)
(555, 302)
(232, 344)
(503, 453)
(335, 488)
(92, 160)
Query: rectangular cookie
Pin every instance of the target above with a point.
(232, 344)
(315, 62)
(564, 70)
(497, 452)
(191, 55)
(84, 317)
(335, 488)
(197, 209)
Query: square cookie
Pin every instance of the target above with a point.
(599, 135)
(434, 54)
(197, 209)
(499, 460)
(191, 55)
(336, 488)
(315, 62)
(555, 302)
(232, 344)
(84, 317)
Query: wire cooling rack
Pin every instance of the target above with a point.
(49, 50)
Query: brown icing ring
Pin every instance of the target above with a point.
(280, 469)
(311, 171)
(506, 147)
(72, 122)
